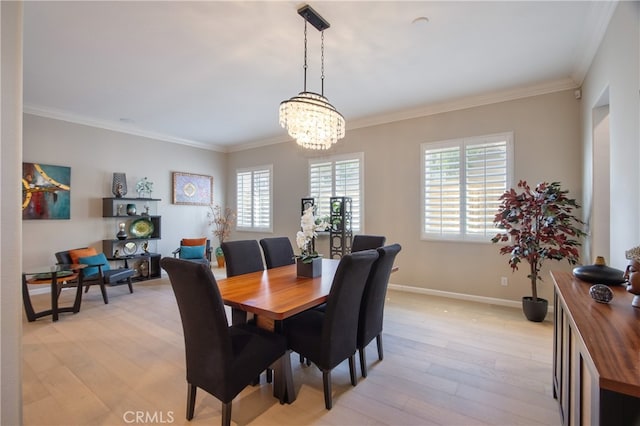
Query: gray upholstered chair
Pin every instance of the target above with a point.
(221, 359)
(328, 338)
(194, 250)
(367, 242)
(277, 252)
(99, 271)
(372, 306)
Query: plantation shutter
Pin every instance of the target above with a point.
(254, 198)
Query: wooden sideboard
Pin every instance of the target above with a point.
(596, 355)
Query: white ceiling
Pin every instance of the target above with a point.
(212, 74)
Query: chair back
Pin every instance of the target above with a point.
(340, 324)
(204, 323)
(373, 297)
(242, 257)
(277, 251)
(367, 242)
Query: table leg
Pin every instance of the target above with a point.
(26, 299)
(283, 387)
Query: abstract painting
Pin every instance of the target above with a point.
(192, 189)
(46, 191)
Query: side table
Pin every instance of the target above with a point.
(56, 276)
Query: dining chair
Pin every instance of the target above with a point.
(372, 305)
(242, 257)
(328, 338)
(220, 359)
(365, 242)
(277, 252)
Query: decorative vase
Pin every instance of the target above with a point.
(220, 260)
(599, 273)
(131, 209)
(122, 234)
(119, 185)
(535, 311)
(310, 270)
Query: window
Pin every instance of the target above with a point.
(254, 199)
(463, 180)
(338, 177)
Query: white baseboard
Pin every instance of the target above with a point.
(460, 296)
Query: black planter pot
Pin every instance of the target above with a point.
(535, 311)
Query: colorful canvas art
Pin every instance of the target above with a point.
(46, 191)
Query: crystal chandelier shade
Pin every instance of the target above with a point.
(312, 121)
(309, 118)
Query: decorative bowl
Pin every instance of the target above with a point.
(141, 228)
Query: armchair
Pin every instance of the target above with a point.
(197, 250)
(98, 272)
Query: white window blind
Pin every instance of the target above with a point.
(463, 180)
(254, 199)
(338, 177)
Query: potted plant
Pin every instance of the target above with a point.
(538, 224)
(221, 220)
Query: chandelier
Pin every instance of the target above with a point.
(309, 117)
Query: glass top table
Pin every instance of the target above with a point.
(58, 277)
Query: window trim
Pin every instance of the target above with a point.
(342, 157)
(463, 143)
(253, 169)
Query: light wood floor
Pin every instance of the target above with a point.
(446, 362)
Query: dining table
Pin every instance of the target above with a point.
(274, 295)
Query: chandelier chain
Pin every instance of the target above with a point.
(322, 62)
(305, 55)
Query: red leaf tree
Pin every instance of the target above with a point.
(538, 224)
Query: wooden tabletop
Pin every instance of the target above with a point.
(610, 332)
(278, 293)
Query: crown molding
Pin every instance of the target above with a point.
(423, 111)
(114, 126)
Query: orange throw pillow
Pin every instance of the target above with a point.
(194, 241)
(78, 253)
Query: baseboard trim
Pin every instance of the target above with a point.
(460, 296)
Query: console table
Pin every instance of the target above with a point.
(596, 355)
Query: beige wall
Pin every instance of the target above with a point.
(547, 147)
(614, 79)
(93, 155)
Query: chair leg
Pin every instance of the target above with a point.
(352, 370)
(130, 285)
(191, 400)
(104, 294)
(269, 375)
(226, 413)
(363, 362)
(326, 381)
(379, 343)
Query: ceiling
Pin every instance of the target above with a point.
(212, 74)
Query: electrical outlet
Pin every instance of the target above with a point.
(504, 281)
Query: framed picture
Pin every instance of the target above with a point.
(195, 190)
(46, 191)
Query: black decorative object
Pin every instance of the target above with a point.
(599, 273)
(601, 293)
(119, 185)
(340, 226)
(122, 234)
(311, 270)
